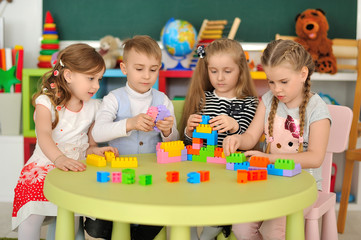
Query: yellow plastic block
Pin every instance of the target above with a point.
(50, 36)
(204, 128)
(96, 160)
(125, 162)
(173, 148)
(109, 156)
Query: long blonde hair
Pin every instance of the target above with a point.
(287, 51)
(200, 82)
(79, 58)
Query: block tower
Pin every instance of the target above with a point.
(49, 43)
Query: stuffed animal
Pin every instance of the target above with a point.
(311, 29)
(109, 49)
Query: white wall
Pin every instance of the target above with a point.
(23, 26)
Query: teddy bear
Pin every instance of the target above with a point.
(109, 49)
(311, 30)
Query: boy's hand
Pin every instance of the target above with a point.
(231, 144)
(192, 123)
(165, 125)
(223, 123)
(64, 163)
(101, 150)
(141, 122)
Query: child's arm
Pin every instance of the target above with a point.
(251, 137)
(44, 130)
(93, 146)
(317, 145)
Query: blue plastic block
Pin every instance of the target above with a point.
(212, 138)
(205, 119)
(189, 157)
(194, 177)
(271, 170)
(241, 166)
(103, 176)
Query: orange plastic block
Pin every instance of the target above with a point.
(257, 175)
(125, 162)
(96, 160)
(197, 140)
(242, 176)
(173, 176)
(204, 176)
(192, 151)
(204, 128)
(259, 161)
(218, 152)
(109, 156)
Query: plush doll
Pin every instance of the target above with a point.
(109, 49)
(311, 29)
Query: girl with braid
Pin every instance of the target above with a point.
(295, 121)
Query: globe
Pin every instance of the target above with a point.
(179, 38)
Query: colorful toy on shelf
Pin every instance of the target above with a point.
(211, 30)
(109, 50)
(124, 162)
(96, 160)
(158, 113)
(49, 43)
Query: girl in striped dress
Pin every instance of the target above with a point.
(221, 87)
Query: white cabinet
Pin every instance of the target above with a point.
(11, 161)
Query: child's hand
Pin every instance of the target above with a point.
(192, 123)
(64, 163)
(231, 144)
(101, 150)
(223, 123)
(165, 125)
(256, 153)
(141, 122)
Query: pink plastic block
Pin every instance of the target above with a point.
(162, 157)
(229, 166)
(197, 145)
(152, 112)
(216, 160)
(116, 177)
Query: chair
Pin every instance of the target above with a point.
(178, 111)
(325, 204)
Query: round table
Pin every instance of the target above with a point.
(221, 201)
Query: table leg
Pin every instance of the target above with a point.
(121, 230)
(64, 225)
(180, 233)
(295, 229)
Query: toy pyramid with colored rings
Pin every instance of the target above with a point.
(49, 43)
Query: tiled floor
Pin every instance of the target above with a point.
(352, 231)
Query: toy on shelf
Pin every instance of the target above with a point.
(11, 67)
(49, 43)
(211, 30)
(158, 113)
(109, 49)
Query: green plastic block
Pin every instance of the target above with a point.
(145, 179)
(205, 152)
(199, 158)
(236, 158)
(287, 164)
(128, 176)
(211, 147)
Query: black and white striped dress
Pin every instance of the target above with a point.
(242, 110)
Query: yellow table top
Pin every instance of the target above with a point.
(220, 201)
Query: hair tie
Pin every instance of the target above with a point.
(61, 63)
(56, 73)
(270, 139)
(58, 108)
(52, 85)
(201, 51)
(300, 139)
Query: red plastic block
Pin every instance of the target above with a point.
(257, 175)
(192, 151)
(173, 176)
(242, 176)
(204, 176)
(259, 161)
(218, 152)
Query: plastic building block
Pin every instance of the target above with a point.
(103, 176)
(128, 176)
(162, 157)
(199, 158)
(293, 172)
(163, 112)
(271, 170)
(192, 151)
(285, 164)
(173, 148)
(197, 146)
(230, 166)
(218, 152)
(189, 157)
(242, 166)
(197, 140)
(184, 155)
(205, 119)
(261, 162)
(152, 112)
(96, 160)
(194, 177)
(242, 176)
(109, 156)
(204, 176)
(212, 138)
(124, 162)
(257, 175)
(116, 177)
(211, 148)
(206, 152)
(216, 160)
(204, 128)
(173, 176)
(236, 158)
(145, 179)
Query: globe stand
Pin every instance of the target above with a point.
(179, 66)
